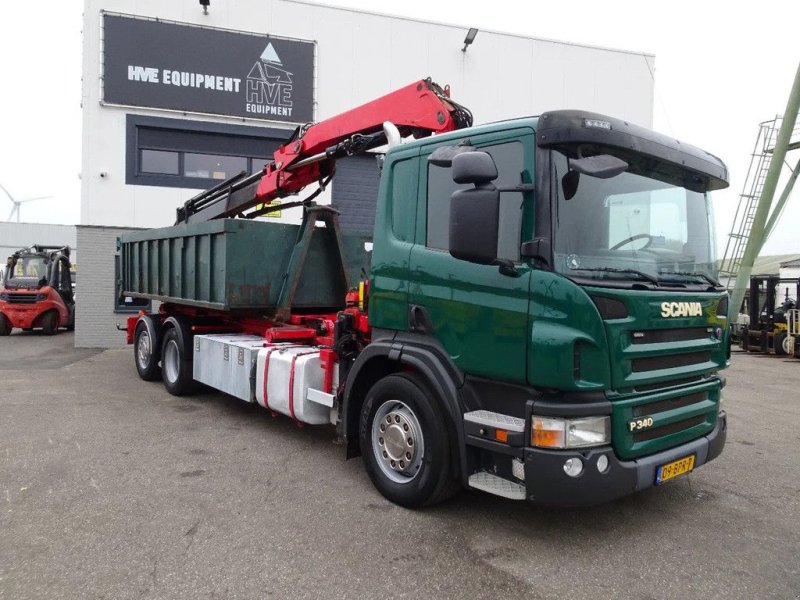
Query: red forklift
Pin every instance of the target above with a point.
(37, 291)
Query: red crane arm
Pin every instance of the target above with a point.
(418, 109)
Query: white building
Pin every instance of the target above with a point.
(15, 236)
(173, 106)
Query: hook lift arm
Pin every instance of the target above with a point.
(310, 154)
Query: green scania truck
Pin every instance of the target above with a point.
(538, 317)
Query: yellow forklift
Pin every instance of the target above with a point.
(770, 317)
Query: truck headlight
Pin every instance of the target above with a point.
(553, 432)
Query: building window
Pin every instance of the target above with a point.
(214, 166)
(194, 154)
(159, 161)
(510, 167)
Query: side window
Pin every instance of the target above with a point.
(404, 199)
(510, 165)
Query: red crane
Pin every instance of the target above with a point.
(309, 156)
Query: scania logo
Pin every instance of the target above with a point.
(681, 309)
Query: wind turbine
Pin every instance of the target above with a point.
(18, 203)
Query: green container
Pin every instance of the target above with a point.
(236, 264)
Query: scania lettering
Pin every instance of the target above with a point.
(681, 309)
(536, 313)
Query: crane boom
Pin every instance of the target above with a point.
(310, 154)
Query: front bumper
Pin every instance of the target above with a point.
(547, 483)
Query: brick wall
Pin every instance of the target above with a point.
(95, 319)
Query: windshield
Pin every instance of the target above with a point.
(29, 266)
(632, 227)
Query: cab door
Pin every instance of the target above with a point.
(479, 315)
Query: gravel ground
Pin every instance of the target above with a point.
(112, 488)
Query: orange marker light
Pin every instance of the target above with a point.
(501, 435)
(547, 433)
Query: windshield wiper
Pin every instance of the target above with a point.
(641, 274)
(708, 278)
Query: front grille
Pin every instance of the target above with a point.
(22, 298)
(654, 363)
(657, 432)
(670, 404)
(649, 387)
(655, 336)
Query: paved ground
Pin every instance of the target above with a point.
(111, 488)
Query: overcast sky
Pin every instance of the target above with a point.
(720, 71)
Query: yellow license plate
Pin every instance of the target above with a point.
(675, 468)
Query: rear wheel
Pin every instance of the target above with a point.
(405, 442)
(146, 354)
(5, 326)
(50, 323)
(176, 368)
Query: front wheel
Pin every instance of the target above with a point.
(176, 368)
(50, 323)
(781, 344)
(405, 442)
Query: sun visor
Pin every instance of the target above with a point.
(565, 130)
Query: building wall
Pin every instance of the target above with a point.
(95, 318)
(359, 56)
(14, 236)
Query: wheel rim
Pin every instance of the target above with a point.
(785, 344)
(397, 441)
(171, 358)
(144, 349)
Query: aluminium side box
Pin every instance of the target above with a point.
(226, 361)
(236, 264)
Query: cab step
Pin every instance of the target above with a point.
(498, 486)
(497, 420)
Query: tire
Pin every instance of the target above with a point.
(405, 442)
(5, 326)
(176, 369)
(146, 354)
(779, 343)
(50, 323)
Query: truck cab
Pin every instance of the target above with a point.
(37, 291)
(553, 281)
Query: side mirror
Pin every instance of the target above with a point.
(602, 166)
(474, 213)
(474, 167)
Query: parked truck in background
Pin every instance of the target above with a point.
(538, 317)
(37, 290)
